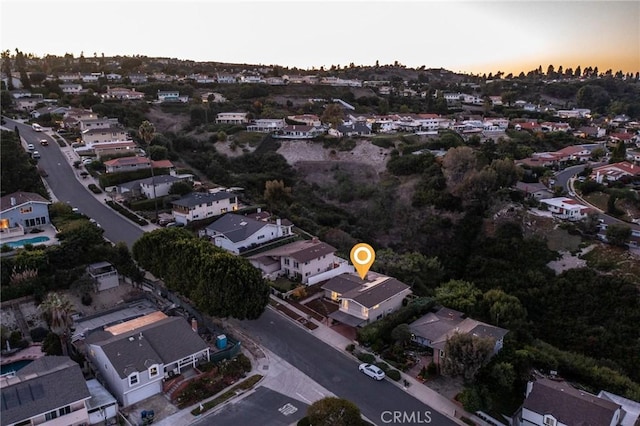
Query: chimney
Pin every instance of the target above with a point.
(13, 201)
(194, 325)
(314, 239)
(279, 221)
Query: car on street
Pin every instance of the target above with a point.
(372, 371)
(35, 154)
(87, 161)
(44, 142)
(30, 147)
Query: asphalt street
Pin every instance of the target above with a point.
(378, 401)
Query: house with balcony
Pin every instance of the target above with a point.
(91, 122)
(566, 208)
(172, 96)
(109, 148)
(557, 403)
(121, 93)
(232, 118)
(104, 134)
(266, 125)
(104, 274)
(50, 391)
(298, 131)
(135, 356)
(236, 233)
(22, 211)
(203, 205)
(364, 301)
(71, 88)
(299, 260)
(435, 328)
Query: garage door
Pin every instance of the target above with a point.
(144, 392)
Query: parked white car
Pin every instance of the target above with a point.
(372, 371)
(30, 147)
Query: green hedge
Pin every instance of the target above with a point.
(94, 188)
(366, 357)
(393, 375)
(123, 211)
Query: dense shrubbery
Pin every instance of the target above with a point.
(127, 213)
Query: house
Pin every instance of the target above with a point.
(171, 96)
(232, 118)
(20, 93)
(566, 208)
(311, 120)
(435, 328)
(549, 126)
(266, 125)
(102, 406)
(537, 191)
(145, 187)
(105, 274)
(297, 131)
(531, 126)
(574, 113)
(630, 409)
(133, 357)
(111, 148)
(633, 156)
(573, 153)
(89, 121)
(202, 205)
(122, 93)
(28, 104)
(364, 301)
(354, 129)
(50, 391)
(299, 260)
(51, 110)
(71, 88)
(557, 403)
(214, 96)
(615, 171)
(22, 211)
(138, 78)
(127, 164)
(104, 134)
(590, 132)
(236, 233)
(226, 79)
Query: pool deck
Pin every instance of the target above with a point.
(32, 352)
(48, 231)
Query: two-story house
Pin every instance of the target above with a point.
(364, 301)
(20, 211)
(435, 328)
(151, 187)
(50, 391)
(232, 118)
(122, 93)
(557, 403)
(299, 260)
(71, 88)
(172, 96)
(105, 134)
(133, 357)
(236, 233)
(266, 125)
(202, 205)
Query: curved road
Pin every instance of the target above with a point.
(66, 187)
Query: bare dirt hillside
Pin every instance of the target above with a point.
(165, 122)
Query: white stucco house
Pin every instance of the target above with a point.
(202, 205)
(566, 208)
(237, 233)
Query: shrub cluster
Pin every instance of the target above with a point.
(127, 213)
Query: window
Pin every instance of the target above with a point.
(223, 210)
(296, 264)
(260, 237)
(133, 379)
(51, 415)
(441, 353)
(549, 421)
(65, 410)
(286, 261)
(153, 371)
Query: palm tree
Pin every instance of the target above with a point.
(147, 131)
(56, 310)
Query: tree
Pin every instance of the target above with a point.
(619, 153)
(618, 235)
(465, 355)
(181, 188)
(147, 131)
(457, 165)
(276, 194)
(401, 334)
(158, 152)
(332, 115)
(458, 294)
(505, 310)
(56, 311)
(503, 375)
(331, 411)
(6, 68)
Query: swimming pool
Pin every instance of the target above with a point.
(22, 242)
(14, 366)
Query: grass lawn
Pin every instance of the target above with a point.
(598, 199)
(283, 284)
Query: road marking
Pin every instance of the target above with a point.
(303, 398)
(288, 409)
(320, 393)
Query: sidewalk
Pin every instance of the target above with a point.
(417, 389)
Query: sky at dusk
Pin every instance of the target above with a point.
(471, 36)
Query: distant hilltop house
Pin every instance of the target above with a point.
(172, 96)
(232, 118)
(122, 93)
(298, 131)
(266, 125)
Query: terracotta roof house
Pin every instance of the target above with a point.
(557, 403)
(615, 171)
(566, 208)
(364, 301)
(49, 391)
(303, 260)
(135, 356)
(237, 233)
(433, 329)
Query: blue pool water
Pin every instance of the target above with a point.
(14, 366)
(22, 242)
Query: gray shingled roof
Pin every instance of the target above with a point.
(236, 227)
(46, 384)
(157, 180)
(197, 198)
(343, 283)
(569, 405)
(164, 341)
(377, 293)
(21, 198)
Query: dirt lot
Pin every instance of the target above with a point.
(165, 122)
